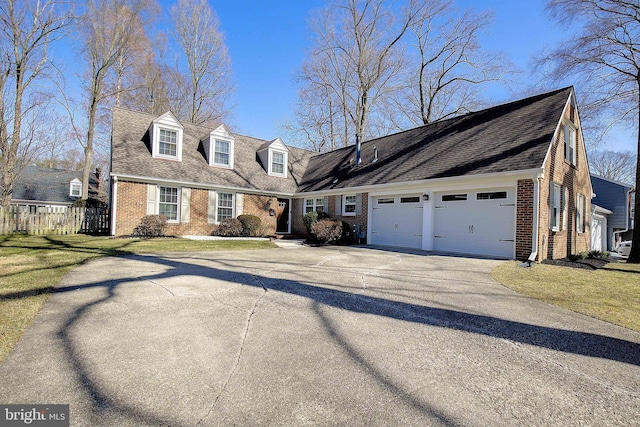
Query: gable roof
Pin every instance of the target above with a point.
(131, 156)
(509, 137)
(48, 185)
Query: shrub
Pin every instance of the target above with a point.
(311, 218)
(327, 230)
(151, 226)
(593, 254)
(577, 257)
(251, 225)
(230, 227)
(347, 234)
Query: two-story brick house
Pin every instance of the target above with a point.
(511, 181)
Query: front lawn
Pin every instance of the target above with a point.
(31, 266)
(611, 293)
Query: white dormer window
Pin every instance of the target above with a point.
(221, 156)
(274, 157)
(75, 188)
(168, 142)
(277, 163)
(166, 137)
(219, 147)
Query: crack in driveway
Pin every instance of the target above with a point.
(240, 351)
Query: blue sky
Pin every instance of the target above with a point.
(267, 40)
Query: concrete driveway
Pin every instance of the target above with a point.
(317, 336)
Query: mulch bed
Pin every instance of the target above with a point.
(588, 263)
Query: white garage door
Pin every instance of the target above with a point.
(480, 222)
(397, 221)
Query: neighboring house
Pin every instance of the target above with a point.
(618, 198)
(45, 189)
(510, 181)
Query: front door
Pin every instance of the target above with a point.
(282, 215)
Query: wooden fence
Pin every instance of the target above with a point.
(47, 220)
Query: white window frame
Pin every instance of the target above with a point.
(272, 163)
(219, 206)
(570, 138)
(177, 203)
(75, 184)
(214, 150)
(346, 203)
(580, 210)
(314, 205)
(555, 208)
(156, 142)
(170, 141)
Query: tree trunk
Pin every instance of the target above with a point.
(634, 255)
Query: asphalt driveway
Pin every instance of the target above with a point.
(317, 336)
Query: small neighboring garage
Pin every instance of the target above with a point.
(479, 222)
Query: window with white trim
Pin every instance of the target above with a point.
(75, 189)
(277, 163)
(222, 153)
(168, 142)
(569, 144)
(580, 219)
(168, 202)
(313, 205)
(349, 205)
(554, 206)
(225, 206)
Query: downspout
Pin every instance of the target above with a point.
(113, 203)
(536, 218)
(626, 217)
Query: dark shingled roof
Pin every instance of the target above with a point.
(508, 137)
(48, 185)
(131, 155)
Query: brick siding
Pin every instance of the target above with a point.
(524, 219)
(565, 241)
(361, 219)
(132, 206)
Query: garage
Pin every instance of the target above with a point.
(397, 221)
(480, 222)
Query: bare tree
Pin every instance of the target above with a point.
(604, 55)
(617, 165)
(206, 87)
(26, 29)
(449, 67)
(110, 31)
(356, 61)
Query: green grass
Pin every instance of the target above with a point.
(611, 294)
(31, 266)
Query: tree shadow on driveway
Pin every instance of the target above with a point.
(574, 342)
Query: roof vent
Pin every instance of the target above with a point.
(375, 154)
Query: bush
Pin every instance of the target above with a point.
(311, 218)
(347, 234)
(593, 254)
(230, 227)
(251, 225)
(327, 230)
(151, 226)
(577, 257)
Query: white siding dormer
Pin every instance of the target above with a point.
(75, 188)
(219, 148)
(166, 137)
(274, 157)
